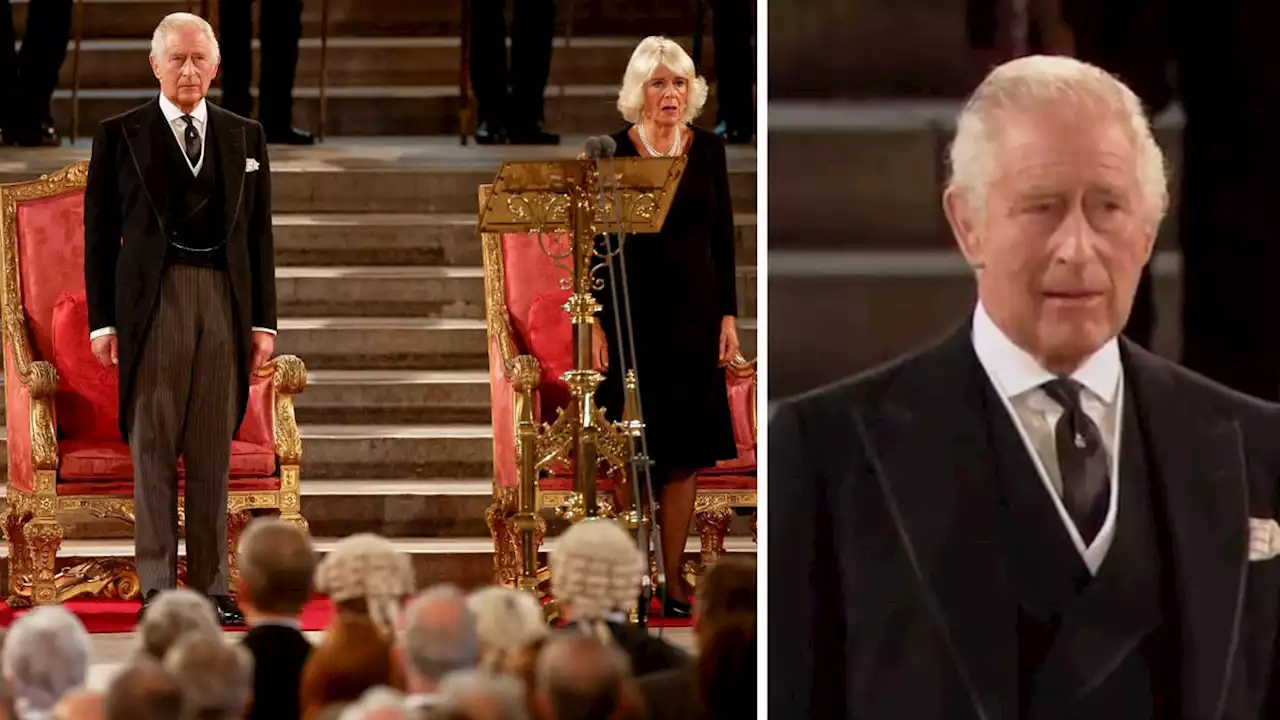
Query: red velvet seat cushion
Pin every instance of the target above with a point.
(551, 341)
(87, 403)
(95, 460)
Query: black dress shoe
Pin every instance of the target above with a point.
(289, 136)
(43, 136)
(674, 609)
(229, 613)
(534, 135)
(146, 601)
(490, 133)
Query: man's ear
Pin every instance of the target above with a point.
(962, 217)
(155, 67)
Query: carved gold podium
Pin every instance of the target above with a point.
(569, 198)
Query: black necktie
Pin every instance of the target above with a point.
(1082, 460)
(191, 139)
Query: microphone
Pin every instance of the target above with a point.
(593, 147)
(608, 145)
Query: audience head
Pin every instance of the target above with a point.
(184, 58)
(439, 637)
(143, 691)
(580, 677)
(725, 624)
(506, 621)
(661, 85)
(364, 573)
(479, 695)
(596, 569)
(173, 614)
(1057, 190)
(217, 677)
(46, 654)
(377, 703)
(277, 566)
(79, 704)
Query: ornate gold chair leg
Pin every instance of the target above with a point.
(506, 550)
(236, 522)
(15, 522)
(712, 524)
(291, 498)
(44, 538)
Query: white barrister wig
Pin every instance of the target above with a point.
(597, 568)
(368, 567)
(506, 621)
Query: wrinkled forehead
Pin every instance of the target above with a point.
(186, 41)
(1063, 136)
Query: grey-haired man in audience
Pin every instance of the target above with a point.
(439, 638)
(46, 655)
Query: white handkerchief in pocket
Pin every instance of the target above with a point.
(250, 165)
(1264, 539)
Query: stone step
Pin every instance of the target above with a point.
(380, 109)
(419, 343)
(460, 450)
(327, 239)
(465, 561)
(412, 291)
(390, 18)
(884, 304)
(401, 175)
(366, 61)
(869, 175)
(336, 397)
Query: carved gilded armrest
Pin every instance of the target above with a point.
(288, 378)
(742, 367)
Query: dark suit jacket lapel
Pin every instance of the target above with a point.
(231, 152)
(145, 134)
(930, 451)
(1199, 474)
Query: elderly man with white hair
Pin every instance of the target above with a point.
(439, 637)
(216, 677)
(173, 615)
(1032, 517)
(46, 655)
(179, 268)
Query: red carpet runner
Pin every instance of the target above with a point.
(120, 616)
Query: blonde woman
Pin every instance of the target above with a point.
(507, 621)
(368, 581)
(682, 291)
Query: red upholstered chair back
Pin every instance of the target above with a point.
(50, 233)
(534, 298)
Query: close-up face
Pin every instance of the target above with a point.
(665, 96)
(1063, 233)
(187, 67)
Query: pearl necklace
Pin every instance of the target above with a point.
(644, 140)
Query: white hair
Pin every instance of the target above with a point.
(596, 569)
(506, 621)
(173, 614)
(46, 654)
(440, 633)
(1040, 80)
(652, 53)
(374, 700)
(216, 677)
(368, 567)
(181, 21)
(460, 691)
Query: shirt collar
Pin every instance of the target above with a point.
(172, 113)
(1016, 372)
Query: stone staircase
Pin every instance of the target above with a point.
(392, 65)
(379, 276)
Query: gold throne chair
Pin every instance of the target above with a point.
(66, 460)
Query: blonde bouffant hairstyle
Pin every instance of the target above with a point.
(652, 53)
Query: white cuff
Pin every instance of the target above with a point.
(100, 332)
(265, 330)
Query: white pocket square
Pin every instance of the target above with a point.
(250, 165)
(1264, 539)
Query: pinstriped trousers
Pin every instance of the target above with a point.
(184, 406)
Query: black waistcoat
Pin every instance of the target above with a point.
(196, 205)
(1093, 647)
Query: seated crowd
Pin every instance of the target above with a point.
(391, 654)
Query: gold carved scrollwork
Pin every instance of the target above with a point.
(524, 372)
(555, 440)
(112, 578)
(506, 544)
(713, 525)
(289, 377)
(542, 211)
(497, 322)
(43, 537)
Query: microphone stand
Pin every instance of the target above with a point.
(637, 444)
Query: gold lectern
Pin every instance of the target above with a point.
(570, 197)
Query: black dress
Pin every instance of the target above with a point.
(681, 283)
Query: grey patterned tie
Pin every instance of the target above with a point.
(191, 139)
(1082, 460)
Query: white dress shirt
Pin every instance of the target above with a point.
(1017, 378)
(200, 118)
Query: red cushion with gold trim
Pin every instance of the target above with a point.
(100, 461)
(124, 488)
